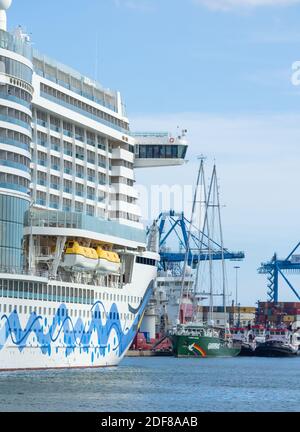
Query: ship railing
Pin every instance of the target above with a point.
(22, 272)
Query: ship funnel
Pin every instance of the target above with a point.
(4, 5)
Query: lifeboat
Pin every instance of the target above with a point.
(108, 261)
(79, 256)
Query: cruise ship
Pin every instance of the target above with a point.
(76, 267)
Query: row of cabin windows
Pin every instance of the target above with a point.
(14, 157)
(8, 134)
(67, 205)
(43, 292)
(146, 261)
(56, 144)
(76, 313)
(124, 215)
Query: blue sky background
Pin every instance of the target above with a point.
(221, 69)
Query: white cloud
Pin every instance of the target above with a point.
(225, 5)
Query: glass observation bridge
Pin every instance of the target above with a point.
(159, 149)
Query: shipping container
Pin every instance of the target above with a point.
(289, 318)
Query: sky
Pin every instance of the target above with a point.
(222, 69)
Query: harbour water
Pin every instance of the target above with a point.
(158, 384)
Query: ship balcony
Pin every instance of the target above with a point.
(155, 150)
(119, 153)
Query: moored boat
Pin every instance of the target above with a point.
(194, 340)
(280, 343)
(249, 337)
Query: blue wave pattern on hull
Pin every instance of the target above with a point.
(74, 336)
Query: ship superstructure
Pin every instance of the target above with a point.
(75, 270)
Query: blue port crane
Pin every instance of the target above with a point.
(277, 269)
(176, 224)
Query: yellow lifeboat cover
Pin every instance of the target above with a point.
(107, 255)
(74, 248)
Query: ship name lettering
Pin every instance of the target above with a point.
(212, 346)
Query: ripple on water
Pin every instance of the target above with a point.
(159, 384)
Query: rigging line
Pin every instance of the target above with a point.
(188, 241)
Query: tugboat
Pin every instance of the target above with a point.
(196, 338)
(249, 338)
(280, 343)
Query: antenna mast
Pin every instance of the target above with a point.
(4, 5)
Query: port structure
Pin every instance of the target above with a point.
(277, 269)
(177, 225)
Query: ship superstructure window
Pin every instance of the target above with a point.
(54, 124)
(79, 190)
(18, 161)
(12, 93)
(79, 134)
(67, 148)
(145, 261)
(90, 175)
(79, 153)
(102, 161)
(54, 202)
(13, 181)
(41, 118)
(91, 157)
(67, 167)
(16, 69)
(7, 114)
(102, 179)
(161, 151)
(54, 182)
(124, 198)
(67, 186)
(55, 144)
(41, 178)
(42, 139)
(90, 193)
(91, 138)
(78, 207)
(124, 215)
(79, 171)
(41, 198)
(122, 163)
(122, 180)
(67, 129)
(55, 163)
(18, 139)
(40, 291)
(41, 158)
(67, 205)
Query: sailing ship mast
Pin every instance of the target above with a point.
(214, 196)
(181, 316)
(212, 201)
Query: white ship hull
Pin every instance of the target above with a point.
(37, 333)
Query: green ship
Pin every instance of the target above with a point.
(193, 340)
(192, 337)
